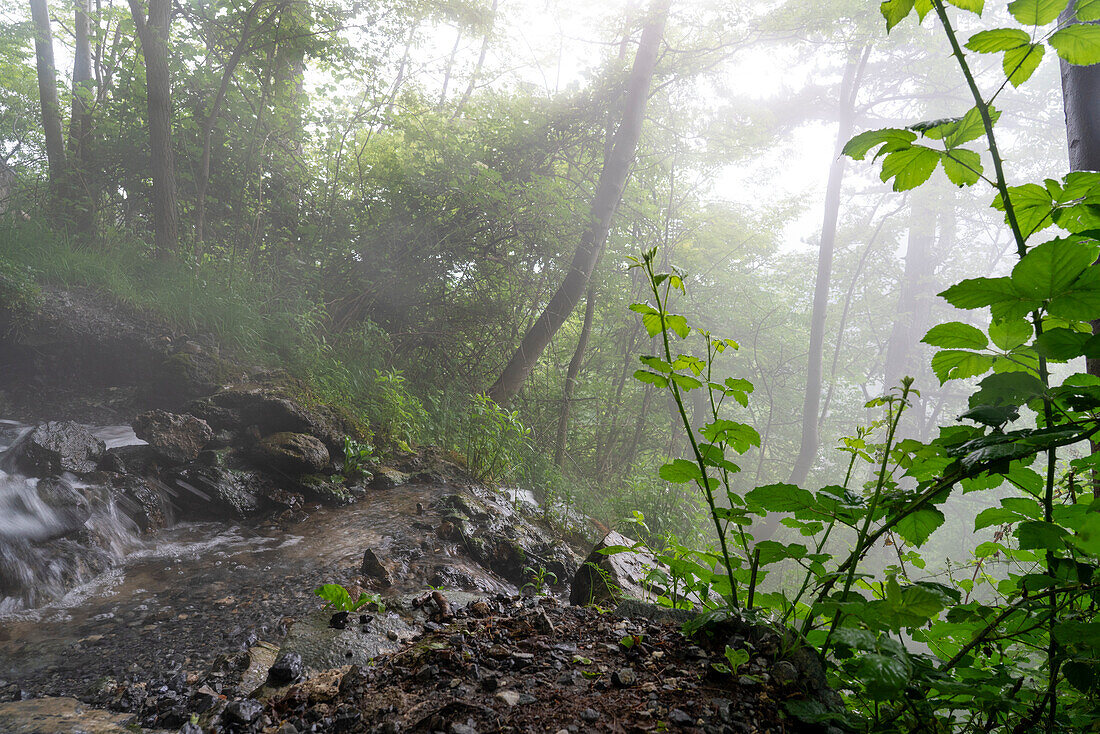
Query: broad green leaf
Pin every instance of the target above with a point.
(686, 382)
(1061, 345)
(892, 139)
(1084, 634)
(652, 323)
(970, 127)
(910, 167)
(1087, 538)
(1020, 63)
(998, 39)
(678, 324)
(651, 378)
(1087, 10)
(1081, 301)
(738, 435)
(1047, 270)
(1008, 334)
(973, 6)
(655, 363)
(1036, 534)
(995, 516)
(1036, 12)
(1078, 44)
(681, 471)
(924, 7)
(956, 335)
(895, 11)
(1007, 388)
(955, 364)
(963, 167)
(772, 551)
(919, 525)
(885, 677)
(980, 292)
(782, 498)
(1032, 204)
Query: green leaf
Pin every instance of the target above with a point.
(782, 498)
(895, 11)
(651, 377)
(655, 363)
(956, 335)
(918, 526)
(970, 127)
(973, 6)
(678, 324)
(995, 516)
(963, 167)
(1008, 334)
(954, 364)
(772, 551)
(1078, 44)
(998, 39)
(681, 471)
(1061, 345)
(738, 435)
(910, 167)
(1036, 12)
(892, 139)
(1032, 204)
(1020, 63)
(686, 382)
(1039, 535)
(1087, 10)
(1050, 268)
(1011, 388)
(1081, 301)
(885, 677)
(1088, 535)
(980, 292)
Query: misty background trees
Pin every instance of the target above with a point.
(418, 201)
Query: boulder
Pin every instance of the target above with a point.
(373, 567)
(145, 501)
(69, 507)
(57, 447)
(210, 492)
(293, 453)
(607, 579)
(176, 438)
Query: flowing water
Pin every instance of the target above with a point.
(104, 600)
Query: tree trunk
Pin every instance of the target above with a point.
(1081, 99)
(80, 124)
(849, 88)
(450, 69)
(47, 95)
(153, 34)
(571, 376)
(608, 193)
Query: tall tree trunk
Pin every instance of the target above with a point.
(571, 376)
(450, 69)
(608, 193)
(849, 88)
(80, 124)
(480, 62)
(1081, 99)
(913, 290)
(153, 34)
(47, 95)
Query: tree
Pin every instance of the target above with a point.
(80, 123)
(849, 88)
(47, 94)
(609, 191)
(153, 33)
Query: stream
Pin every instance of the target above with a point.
(103, 600)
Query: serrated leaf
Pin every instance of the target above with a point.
(1061, 345)
(1033, 205)
(1008, 334)
(970, 127)
(885, 677)
(980, 292)
(655, 363)
(1039, 535)
(892, 139)
(1081, 301)
(678, 324)
(681, 471)
(1087, 10)
(963, 167)
(1020, 63)
(911, 167)
(895, 11)
(998, 39)
(782, 498)
(1036, 12)
(972, 6)
(651, 378)
(1047, 270)
(686, 382)
(918, 526)
(1078, 44)
(955, 364)
(738, 435)
(956, 335)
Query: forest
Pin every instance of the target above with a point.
(799, 298)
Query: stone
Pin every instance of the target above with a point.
(680, 718)
(372, 567)
(244, 711)
(287, 668)
(293, 453)
(176, 438)
(784, 673)
(457, 728)
(509, 697)
(322, 647)
(57, 715)
(70, 507)
(606, 579)
(590, 715)
(210, 492)
(624, 678)
(58, 447)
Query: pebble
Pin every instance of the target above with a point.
(509, 697)
(590, 714)
(245, 711)
(624, 678)
(457, 728)
(784, 673)
(680, 718)
(287, 668)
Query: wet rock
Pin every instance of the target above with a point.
(59, 716)
(372, 567)
(287, 668)
(70, 507)
(606, 579)
(209, 492)
(292, 453)
(784, 673)
(322, 647)
(244, 712)
(176, 438)
(590, 715)
(145, 501)
(680, 718)
(511, 698)
(624, 678)
(388, 478)
(325, 490)
(57, 447)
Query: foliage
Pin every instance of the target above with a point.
(357, 457)
(495, 440)
(337, 597)
(541, 580)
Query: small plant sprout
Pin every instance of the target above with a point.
(541, 580)
(338, 599)
(735, 658)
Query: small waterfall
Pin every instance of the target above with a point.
(56, 533)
